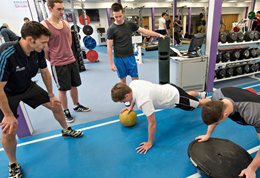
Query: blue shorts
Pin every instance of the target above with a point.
(126, 66)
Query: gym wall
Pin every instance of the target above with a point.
(13, 12)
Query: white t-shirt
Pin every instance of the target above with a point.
(149, 96)
(161, 22)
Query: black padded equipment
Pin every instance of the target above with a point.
(164, 60)
(219, 158)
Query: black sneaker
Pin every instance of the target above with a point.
(15, 171)
(68, 116)
(80, 108)
(69, 132)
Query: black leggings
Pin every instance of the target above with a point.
(187, 102)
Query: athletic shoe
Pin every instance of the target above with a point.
(15, 171)
(68, 116)
(69, 132)
(203, 94)
(80, 108)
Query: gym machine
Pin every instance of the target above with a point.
(189, 70)
(102, 37)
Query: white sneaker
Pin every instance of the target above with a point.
(203, 94)
(127, 104)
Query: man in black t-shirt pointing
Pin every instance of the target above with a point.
(119, 36)
(19, 62)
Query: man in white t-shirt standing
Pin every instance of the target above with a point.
(149, 96)
(162, 24)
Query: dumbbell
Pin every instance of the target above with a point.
(249, 35)
(219, 57)
(257, 52)
(252, 52)
(225, 56)
(222, 37)
(246, 69)
(238, 71)
(253, 68)
(256, 35)
(220, 73)
(229, 72)
(240, 37)
(83, 54)
(257, 66)
(232, 37)
(244, 54)
(235, 55)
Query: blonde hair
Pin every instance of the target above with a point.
(119, 91)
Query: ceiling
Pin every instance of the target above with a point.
(178, 1)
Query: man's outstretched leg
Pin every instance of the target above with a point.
(55, 106)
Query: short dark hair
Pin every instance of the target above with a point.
(34, 29)
(176, 16)
(212, 112)
(26, 18)
(51, 3)
(119, 91)
(116, 7)
(164, 13)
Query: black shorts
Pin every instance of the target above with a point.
(66, 76)
(187, 102)
(34, 96)
(162, 32)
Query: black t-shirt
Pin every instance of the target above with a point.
(167, 23)
(122, 38)
(17, 69)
